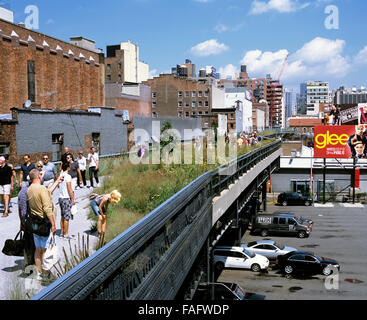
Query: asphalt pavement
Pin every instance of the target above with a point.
(12, 278)
(339, 232)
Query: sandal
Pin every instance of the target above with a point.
(5, 215)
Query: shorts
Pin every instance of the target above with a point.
(74, 183)
(65, 206)
(41, 242)
(5, 189)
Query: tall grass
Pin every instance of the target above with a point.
(145, 187)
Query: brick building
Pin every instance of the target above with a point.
(51, 73)
(274, 98)
(304, 124)
(179, 96)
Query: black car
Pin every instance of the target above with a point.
(293, 198)
(306, 262)
(224, 291)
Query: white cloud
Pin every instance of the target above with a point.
(361, 57)
(221, 28)
(50, 21)
(317, 58)
(281, 6)
(153, 73)
(228, 70)
(209, 47)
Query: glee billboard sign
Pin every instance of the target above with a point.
(334, 141)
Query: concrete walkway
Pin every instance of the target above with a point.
(12, 278)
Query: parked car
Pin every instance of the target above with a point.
(267, 248)
(293, 198)
(224, 291)
(306, 262)
(237, 257)
(283, 223)
(305, 221)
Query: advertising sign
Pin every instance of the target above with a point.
(341, 142)
(362, 113)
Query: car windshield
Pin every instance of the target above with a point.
(250, 244)
(240, 293)
(249, 254)
(299, 220)
(278, 245)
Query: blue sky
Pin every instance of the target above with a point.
(222, 33)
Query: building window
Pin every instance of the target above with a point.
(194, 114)
(206, 112)
(200, 104)
(232, 126)
(96, 141)
(187, 104)
(119, 78)
(154, 104)
(180, 104)
(193, 104)
(187, 114)
(57, 143)
(200, 113)
(4, 148)
(187, 94)
(180, 114)
(154, 115)
(207, 103)
(31, 81)
(194, 94)
(119, 66)
(200, 94)
(154, 94)
(180, 94)
(206, 93)
(108, 68)
(232, 116)
(109, 78)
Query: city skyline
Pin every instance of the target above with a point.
(224, 34)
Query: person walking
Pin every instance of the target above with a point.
(25, 169)
(100, 206)
(50, 172)
(41, 206)
(66, 153)
(82, 162)
(93, 159)
(74, 171)
(6, 184)
(66, 201)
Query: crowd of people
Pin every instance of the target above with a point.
(247, 139)
(37, 211)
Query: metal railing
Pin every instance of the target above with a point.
(151, 259)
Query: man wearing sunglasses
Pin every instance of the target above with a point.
(50, 172)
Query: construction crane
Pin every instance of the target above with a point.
(283, 67)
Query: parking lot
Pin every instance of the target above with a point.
(339, 232)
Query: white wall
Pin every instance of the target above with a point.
(260, 120)
(218, 96)
(134, 70)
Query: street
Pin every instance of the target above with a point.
(338, 233)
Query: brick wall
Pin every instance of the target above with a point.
(77, 81)
(167, 86)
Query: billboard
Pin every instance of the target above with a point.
(362, 113)
(341, 141)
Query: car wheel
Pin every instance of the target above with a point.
(284, 203)
(307, 203)
(219, 266)
(255, 267)
(288, 269)
(264, 233)
(301, 234)
(327, 271)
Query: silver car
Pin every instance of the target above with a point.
(267, 248)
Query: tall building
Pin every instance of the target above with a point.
(188, 69)
(274, 94)
(314, 92)
(344, 96)
(289, 102)
(123, 64)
